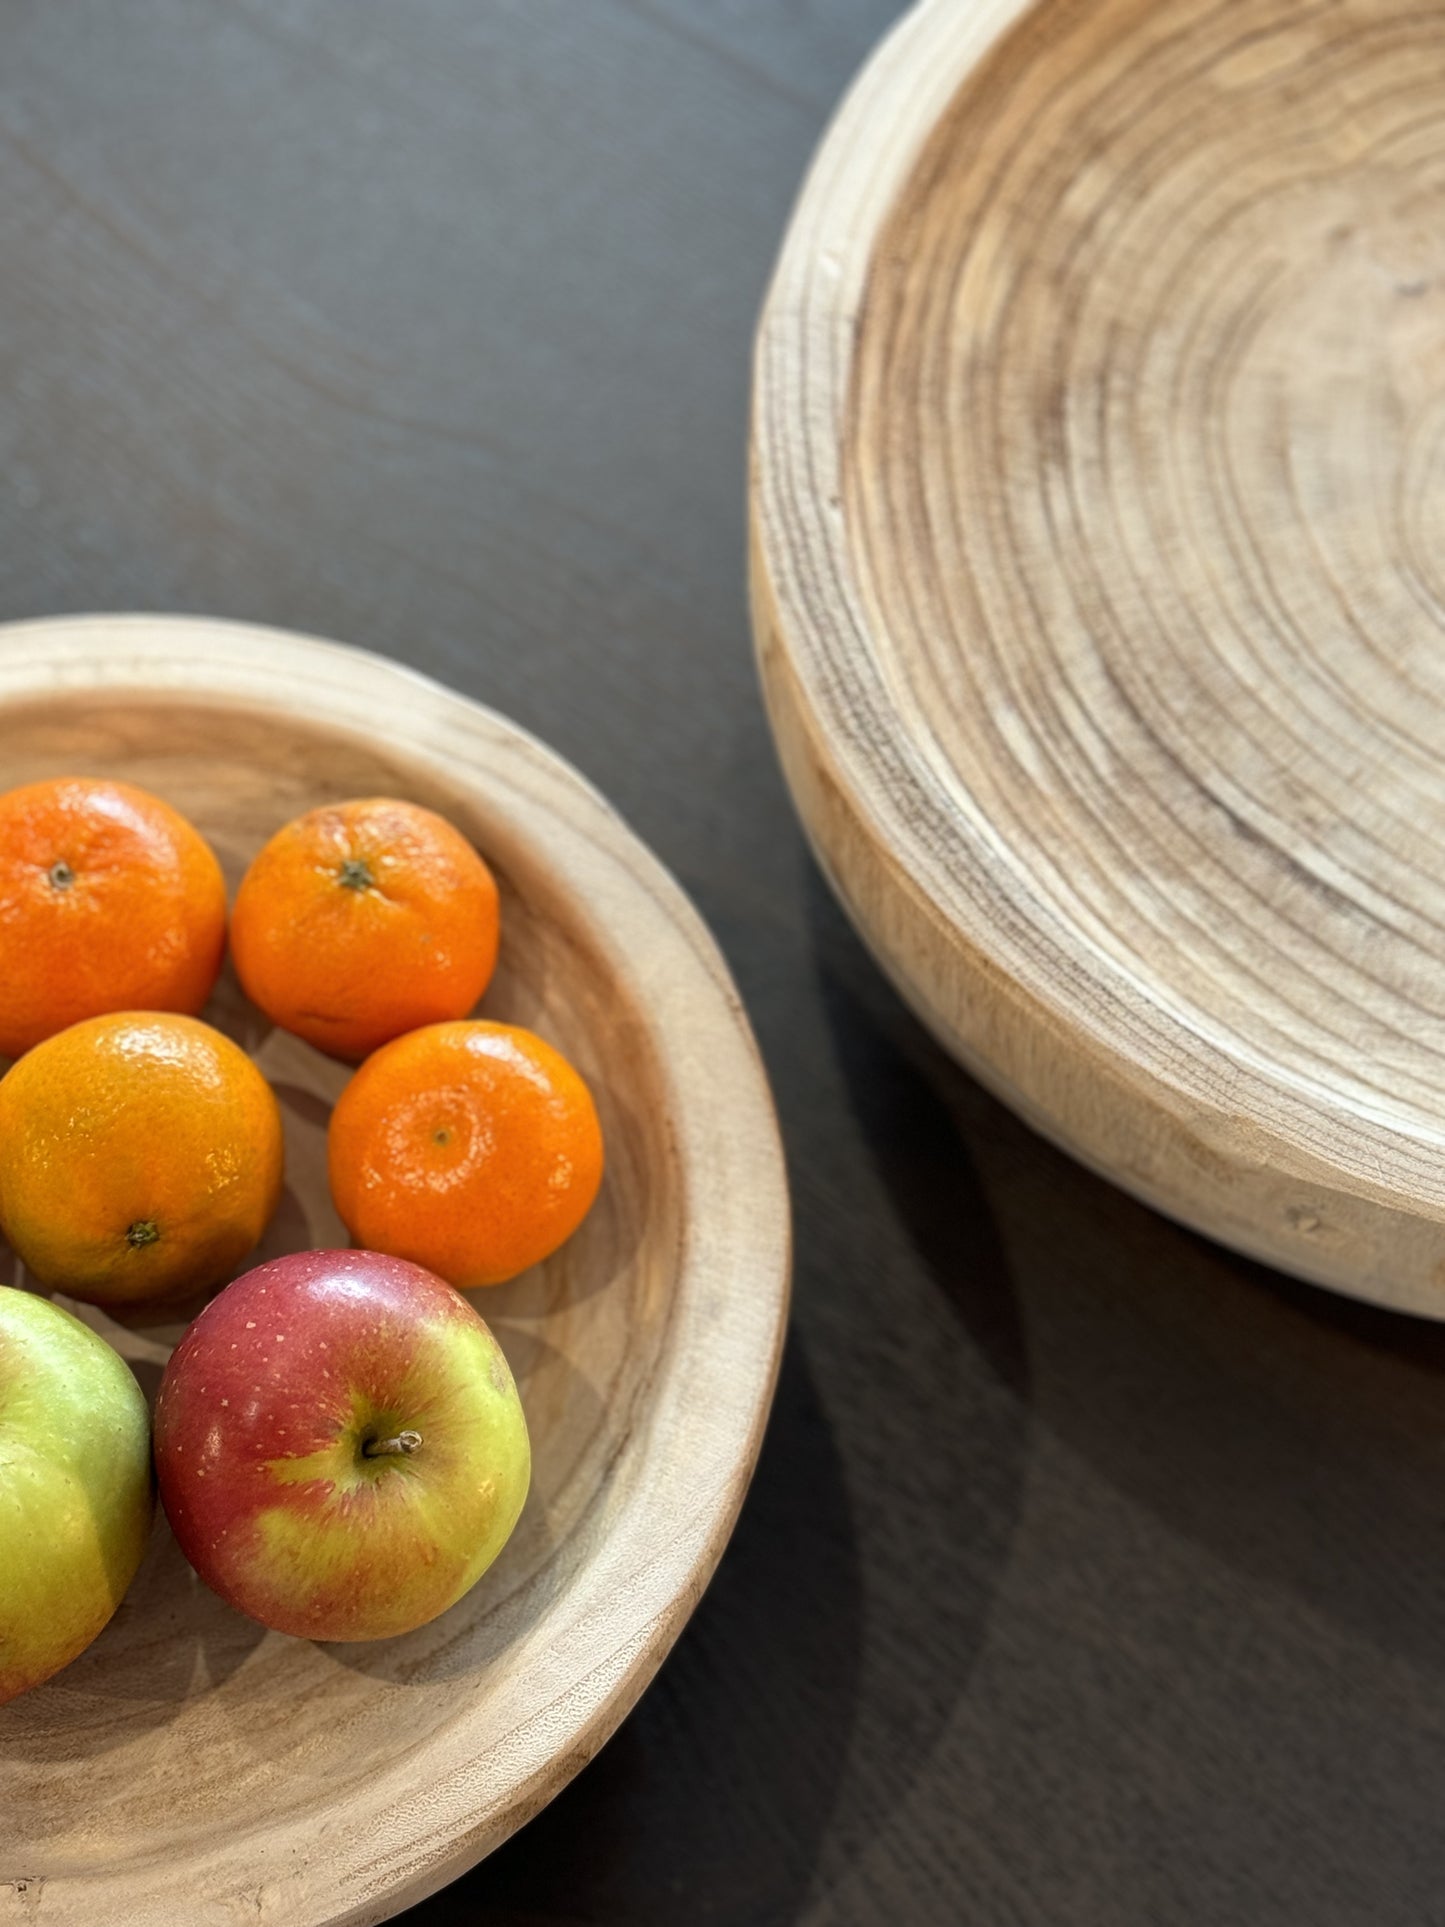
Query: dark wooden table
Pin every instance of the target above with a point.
(1089, 1574)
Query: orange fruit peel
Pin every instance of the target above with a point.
(109, 900)
(140, 1156)
(472, 1148)
(362, 920)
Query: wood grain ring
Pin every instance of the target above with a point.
(1098, 569)
(189, 1767)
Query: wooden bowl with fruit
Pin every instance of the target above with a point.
(406, 1200)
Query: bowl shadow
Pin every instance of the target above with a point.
(1291, 1432)
(827, 1660)
(758, 1693)
(170, 1641)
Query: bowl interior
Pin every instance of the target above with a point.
(185, 1725)
(1145, 479)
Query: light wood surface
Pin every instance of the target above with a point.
(1098, 524)
(190, 1767)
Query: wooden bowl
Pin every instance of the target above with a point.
(192, 1768)
(1098, 547)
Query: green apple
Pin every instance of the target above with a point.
(76, 1492)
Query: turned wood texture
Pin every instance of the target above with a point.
(190, 1767)
(1098, 539)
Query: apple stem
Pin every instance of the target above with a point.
(403, 1445)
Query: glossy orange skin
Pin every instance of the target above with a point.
(471, 1148)
(109, 900)
(135, 1120)
(361, 920)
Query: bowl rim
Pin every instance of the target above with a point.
(732, 1282)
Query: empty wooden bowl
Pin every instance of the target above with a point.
(191, 1768)
(1098, 544)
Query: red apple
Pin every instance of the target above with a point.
(340, 1446)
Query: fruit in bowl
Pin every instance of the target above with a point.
(140, 1156)
(270, 1771)
(340, 1446)
(75, 1487)
(109, 900)
(472, 1148)
(361, 920)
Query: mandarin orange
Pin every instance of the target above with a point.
(361, 920)
(109, 900)
(140, 1156)
(471, 1148)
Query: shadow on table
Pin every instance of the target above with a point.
(1295, 1434)
(777, 1741)
(918, 1113)
(708, 1804)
